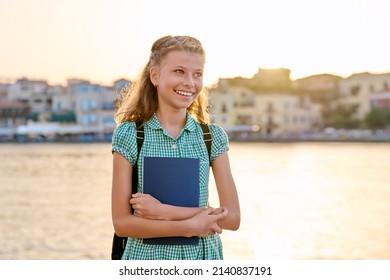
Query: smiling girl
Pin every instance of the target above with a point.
(171, 103)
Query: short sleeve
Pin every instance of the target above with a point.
(220, 143)
(124, 141)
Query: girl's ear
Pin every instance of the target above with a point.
(154, 74)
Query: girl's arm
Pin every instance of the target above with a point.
(227, 192)
(148, 207)
(125, 224)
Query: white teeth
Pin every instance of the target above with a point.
(184, 93)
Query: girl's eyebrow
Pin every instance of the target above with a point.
(182, 67)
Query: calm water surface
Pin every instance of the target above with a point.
(298, 200)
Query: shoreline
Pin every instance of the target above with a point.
(311, 140)
(232, 140)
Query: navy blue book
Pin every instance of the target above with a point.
(173, 181)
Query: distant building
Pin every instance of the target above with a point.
(285, 114)
(13, 113)
(273, 79)
(88, 107)
(4, 91)
(107, 111)
(62, 101)
(266, 105)
(34, 94)
(355, 92)
(322, 88)
(232, 107)
(94, 107)
(121, 83)
(380, 100)
(239, 109)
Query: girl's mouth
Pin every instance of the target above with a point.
(184, 93)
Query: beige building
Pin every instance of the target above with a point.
(222, 106)
(239, 109)
(33, 93)
(3, 91)
(93, 106)
(322, 88)
(355, 91)
(326, 83)
(283, 114)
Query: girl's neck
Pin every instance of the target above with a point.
(172, 121)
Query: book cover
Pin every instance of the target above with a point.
(173, 181)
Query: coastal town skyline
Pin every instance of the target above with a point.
(11, 80)
(60, 40)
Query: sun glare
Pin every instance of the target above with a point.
(113, 41)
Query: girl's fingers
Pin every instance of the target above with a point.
(136, 195)
(221, 215)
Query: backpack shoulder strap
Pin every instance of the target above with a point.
(140, 140)
(207, 137)
(140, 137)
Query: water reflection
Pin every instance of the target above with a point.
(299, 201)
(313, 201)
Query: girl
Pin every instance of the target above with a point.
(170, 101)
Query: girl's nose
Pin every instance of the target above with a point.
(189, 81)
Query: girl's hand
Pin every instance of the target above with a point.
(146, 206)
(206, 222)
(217, 211)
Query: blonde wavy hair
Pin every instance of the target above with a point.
(138, 102)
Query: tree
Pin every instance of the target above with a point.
(342, 118)
(377, 119)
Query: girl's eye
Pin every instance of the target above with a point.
(199, 74)
(179, 71)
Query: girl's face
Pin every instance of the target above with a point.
(179, 79)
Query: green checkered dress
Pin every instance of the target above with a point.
(189, 144)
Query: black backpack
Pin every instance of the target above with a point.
(119, 243)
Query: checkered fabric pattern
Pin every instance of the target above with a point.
(189, 144)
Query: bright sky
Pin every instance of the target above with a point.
(104, 40)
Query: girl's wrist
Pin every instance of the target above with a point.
(163, 213)
(188, 228)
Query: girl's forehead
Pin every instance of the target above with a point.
(184, 58)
